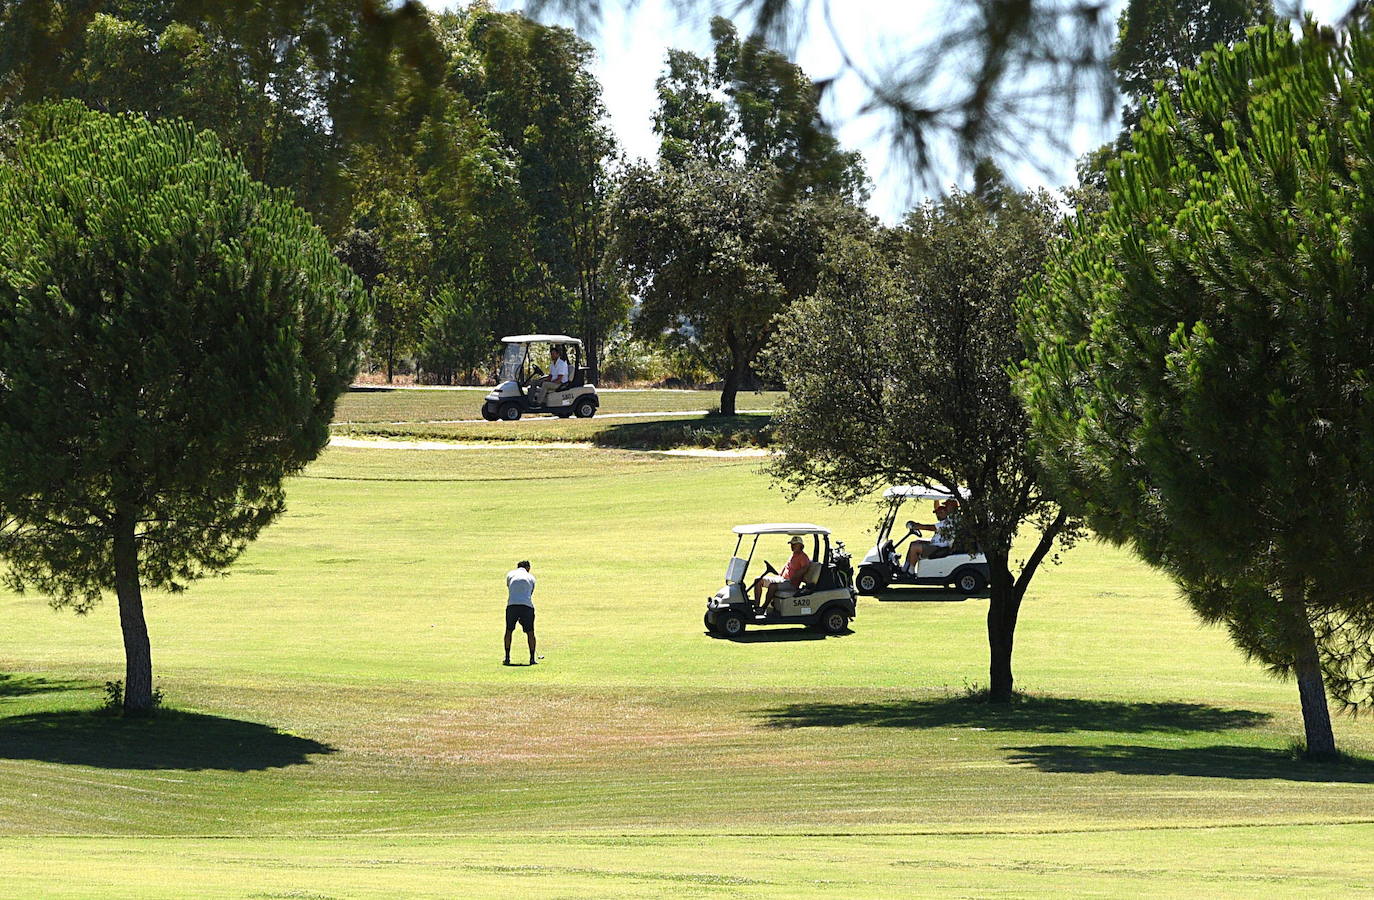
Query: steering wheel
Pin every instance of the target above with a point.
(912, 527)
(536, 372)
(768, 568)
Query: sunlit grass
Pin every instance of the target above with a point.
(409, 405)
(345, 680)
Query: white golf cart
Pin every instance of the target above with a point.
(882, 566)
(825, 600)
(520, 389)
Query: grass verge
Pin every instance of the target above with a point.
(711, 431)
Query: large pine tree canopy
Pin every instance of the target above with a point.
(1202, 381)
(173, 336)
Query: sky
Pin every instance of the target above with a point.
(631, 47)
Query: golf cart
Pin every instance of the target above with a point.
(882, 566)
(521, 391)
(825, 600)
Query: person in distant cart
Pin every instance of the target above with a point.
(520, 605)
(559, 375)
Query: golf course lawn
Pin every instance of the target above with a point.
(373, 405)
(341, 725)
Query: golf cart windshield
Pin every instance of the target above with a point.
(512, 362)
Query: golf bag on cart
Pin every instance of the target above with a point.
(844, 567)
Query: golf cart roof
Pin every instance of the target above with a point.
(781, 528)
(916, 492)
(541, 339)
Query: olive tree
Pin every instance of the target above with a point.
(897, 371)
(718, 251)
(173, 336)
(1203, 384)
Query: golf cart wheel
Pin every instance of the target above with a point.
(868, 582)
(834, 621)
(731, 625)
(585, 408)
(510, 411)
(970, 581)
(706, 620)
(488, 413)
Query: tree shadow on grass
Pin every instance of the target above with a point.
(24, 685)
(926, 595)
(719, 432)
(1033, 714)
(168, 740)
(1203, 762)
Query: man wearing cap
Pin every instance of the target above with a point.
(941, 543)
(520, 605)
(786, 582)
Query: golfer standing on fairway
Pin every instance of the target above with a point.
(520, 605)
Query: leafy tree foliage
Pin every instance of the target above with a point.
(897, 373)
(729, 228)
(1156, 41)
(288, 86)
(456, 342)
(749, 104)
(1201, 386)
(533, 87)
(173, 336)
(715, 252)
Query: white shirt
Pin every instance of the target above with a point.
(520, 585)
(941, 536)
(559, 370)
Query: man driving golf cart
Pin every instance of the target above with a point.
(784, 583)
(524, 388)
(822, 597)
(939, 562)
(941, 541)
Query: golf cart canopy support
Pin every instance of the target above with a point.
(781, 528)
(541, 339)
(921, 492)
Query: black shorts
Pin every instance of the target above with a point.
(518, 612)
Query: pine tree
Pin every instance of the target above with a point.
(1203, 384)
(173, 336)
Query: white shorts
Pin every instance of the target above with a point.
(785, 587)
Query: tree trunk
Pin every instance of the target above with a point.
(1316, 715)
(138, 659)
(593, 361)
(739, 365)
(1004, 605)
(727, 394)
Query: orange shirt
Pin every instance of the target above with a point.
(796, 567)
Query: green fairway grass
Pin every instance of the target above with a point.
(669, 431)
(405, 405)
(342, 725)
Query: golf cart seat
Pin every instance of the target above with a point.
(579, 378)
(810, 579)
